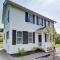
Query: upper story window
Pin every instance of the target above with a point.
(46, 23)
(29, 17)
(7, 18)
(39, 21)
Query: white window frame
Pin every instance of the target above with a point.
(19, 37)
(30, 37)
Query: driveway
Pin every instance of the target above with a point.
(36, 56)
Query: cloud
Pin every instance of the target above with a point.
(49, 8)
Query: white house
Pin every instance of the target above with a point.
(24, 28)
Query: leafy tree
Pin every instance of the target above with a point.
(1, 30)
(57, 38)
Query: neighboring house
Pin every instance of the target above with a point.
(26, 29)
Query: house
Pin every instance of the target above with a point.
(24, 28)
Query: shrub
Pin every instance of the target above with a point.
(21, 52)
(1, 39)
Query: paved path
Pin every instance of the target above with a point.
(5, 56)
(57, 54)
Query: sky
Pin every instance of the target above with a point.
(48, 8)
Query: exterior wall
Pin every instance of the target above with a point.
(17, 22)
(6, 28)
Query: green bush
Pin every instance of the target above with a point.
(21, 52)
(57, 39)
(1, 44)
(1, 39)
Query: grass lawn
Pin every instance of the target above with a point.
(1, 44)
(57, 45)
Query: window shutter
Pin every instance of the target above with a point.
(33, 37)
(37, 21)
(48, 23)
(8, 15)
(33, 19)
(26, 17)
(14, 37)
(42, 21)
(45, 38)
(45, 23)
(25, 37)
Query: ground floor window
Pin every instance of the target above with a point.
(30, 37)
(19, 37)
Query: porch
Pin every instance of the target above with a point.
(45, 40)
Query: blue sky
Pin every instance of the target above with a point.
(49, 8)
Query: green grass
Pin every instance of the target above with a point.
(1, 44)
(57, 45)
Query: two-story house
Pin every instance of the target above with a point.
(24, 28)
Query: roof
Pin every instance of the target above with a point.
(23, 8)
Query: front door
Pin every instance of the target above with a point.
(40, 39)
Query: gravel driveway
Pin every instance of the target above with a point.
(36, 56)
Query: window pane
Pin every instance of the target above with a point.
(40, 21)
(30, 18)
(19, 41)
(30, 40)
(30, 37)
(30, 34)
(19, 34)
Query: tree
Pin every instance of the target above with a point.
(57, 38)
(1, 30)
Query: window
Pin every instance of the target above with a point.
(7, 35)
(19, 37)
(48, 23)
(30, 17)
(39, 21)
(30, 37)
